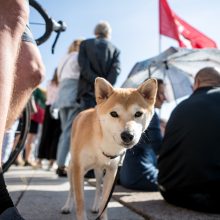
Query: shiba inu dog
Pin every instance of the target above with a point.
(101, 134)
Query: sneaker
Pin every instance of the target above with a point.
(36, 164)
(11, 214)
(61, 171)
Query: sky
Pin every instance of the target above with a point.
(134, 27)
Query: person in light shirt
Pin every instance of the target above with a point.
(68, 76)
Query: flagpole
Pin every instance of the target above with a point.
(159, 43)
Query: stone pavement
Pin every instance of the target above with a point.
(40, 194)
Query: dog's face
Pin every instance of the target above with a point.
(125, 113)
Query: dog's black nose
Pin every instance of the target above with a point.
(126, 136)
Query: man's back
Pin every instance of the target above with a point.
(98, 57)
(189, 165)
(190, 152)
(100, 53)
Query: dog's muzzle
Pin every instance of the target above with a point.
(127, 137)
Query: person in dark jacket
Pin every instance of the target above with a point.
(189, 159)
(98, 57)
(139, 169)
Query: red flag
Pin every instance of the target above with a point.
(167, 24)
(174, 27)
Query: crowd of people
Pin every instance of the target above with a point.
(70, 91)
(181, 163)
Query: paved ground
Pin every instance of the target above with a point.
(40, 194)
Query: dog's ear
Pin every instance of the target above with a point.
(148, 89)
(103, 89)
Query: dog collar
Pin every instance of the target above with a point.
(112, 157)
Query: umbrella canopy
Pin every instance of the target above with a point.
(177, 67)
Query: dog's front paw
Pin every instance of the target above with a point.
(65, 210)
(95, 209)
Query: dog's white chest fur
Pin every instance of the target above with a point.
(101, 135)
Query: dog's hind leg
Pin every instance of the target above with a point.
(69, 202)
(98, 193)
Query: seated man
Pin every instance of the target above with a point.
(139, 169)
(189, 159)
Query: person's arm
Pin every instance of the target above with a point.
(115, 68)
(85, 70)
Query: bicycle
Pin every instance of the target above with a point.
(49, 25)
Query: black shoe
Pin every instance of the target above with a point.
(61, 171)
(90, 174)
(11, 213)
(27, 164)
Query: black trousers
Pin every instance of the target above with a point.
(49, 137)
(202, 202)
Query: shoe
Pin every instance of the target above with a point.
(90, 174)
(11, 213)
(37, 164)
(50, 165)
(61, 171)
(27, 164)
(19, 163)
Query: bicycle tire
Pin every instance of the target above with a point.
(47, 19)
(26, 117)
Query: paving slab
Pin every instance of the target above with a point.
(151, 205)
(40, 194)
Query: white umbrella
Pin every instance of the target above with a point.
(177, 67)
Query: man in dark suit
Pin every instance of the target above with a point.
(98, 57)
(189, 159)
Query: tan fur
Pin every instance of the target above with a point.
(96, 133)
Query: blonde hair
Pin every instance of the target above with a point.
(74, 46)
(103, 29)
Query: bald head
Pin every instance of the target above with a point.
(208, 76)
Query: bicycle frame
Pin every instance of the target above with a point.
(51, 25)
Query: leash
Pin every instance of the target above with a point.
(110, 194)
(113, 185)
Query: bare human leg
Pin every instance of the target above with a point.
(14, 89)
(29, 74)
(12, 26)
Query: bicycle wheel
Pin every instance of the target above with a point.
(22, 135)
(40, 23)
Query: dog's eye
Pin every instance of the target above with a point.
(114, 114)
(138, 114)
